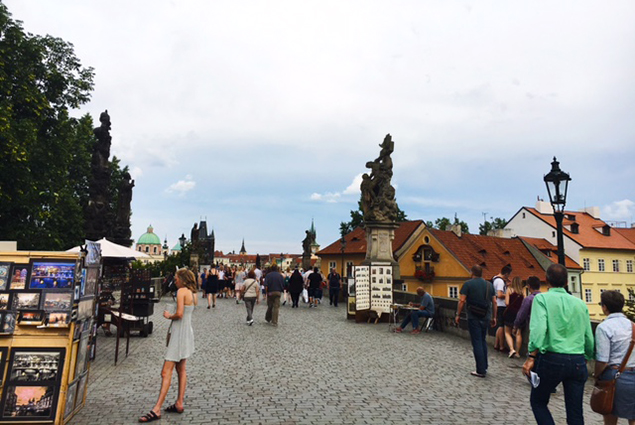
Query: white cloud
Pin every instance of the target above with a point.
(182, 186)
(353, 188)
(136, 172)
(620, 210)
(333, 197)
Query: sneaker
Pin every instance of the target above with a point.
(250, 322)
(398, 330)
(478, 375)
(415, 332)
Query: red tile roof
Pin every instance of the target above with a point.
(550, 251)
(491, 253)
(356, 240)
(589, 231)
(627, 232)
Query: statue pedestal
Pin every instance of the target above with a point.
(306, 262)
(379, 237)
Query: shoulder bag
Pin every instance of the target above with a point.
(243, 292)
(604, 391)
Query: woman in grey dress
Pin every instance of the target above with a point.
(180, 345)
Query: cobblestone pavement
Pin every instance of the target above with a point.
(316, 367)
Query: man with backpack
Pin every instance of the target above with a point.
(500, 282)
(480, 298)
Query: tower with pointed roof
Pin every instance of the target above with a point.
(315, 247)
(243, 251)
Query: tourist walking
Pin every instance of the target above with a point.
(239, 278)
(274, 284)
(560, 337)
(501, 281)
(612, 340)
(221, 281)
(202, 282)
(250, 293)
(480, 298)
(180, 344)
(513, 300)
(524, 314)
(211, 288)
(315, 285)
(335, 282)
(296, 285)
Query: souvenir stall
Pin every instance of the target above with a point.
(370, 292)
(47, 330)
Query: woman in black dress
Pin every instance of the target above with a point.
(211, 287)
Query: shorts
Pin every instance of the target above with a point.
(499, 317)
(314, 292)
(624, 402)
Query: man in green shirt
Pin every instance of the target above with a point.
(560, 337)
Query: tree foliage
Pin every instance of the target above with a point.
(445, 223)
(45, 153)
(357, 218)
(495, 224)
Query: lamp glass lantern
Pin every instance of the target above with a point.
(557, 182)
(182, 240)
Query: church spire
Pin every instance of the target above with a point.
(243, 251)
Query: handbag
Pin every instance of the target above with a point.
(604, 391)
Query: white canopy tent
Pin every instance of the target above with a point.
(112, 250)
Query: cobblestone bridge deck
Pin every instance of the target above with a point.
(314, 368)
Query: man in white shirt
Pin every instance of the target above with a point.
(500, 282)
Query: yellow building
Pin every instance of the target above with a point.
(607, 254)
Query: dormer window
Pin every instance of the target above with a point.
(606, 230)
(570, 217)
(575, 228)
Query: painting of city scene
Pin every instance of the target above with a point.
(85, 309)
(5, 274)
(60, 301)
(92, 274)
(19, 275)
(35, 366)
(51, 275)
(58, 319)
(30, 318)
(26, 300)
(32, 401)
(4, 300)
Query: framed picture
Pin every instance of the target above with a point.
(92, 276)
(4, 300)
(81, 390)
(19, 276)
(3, 359)
(93, 254)
(57, 319)
(57, 300)
(26, 301)
(35, 365)
(52, 274)
(78, 331)
(8, 323)
(85, 309)
(82, 358)
(30, 318)
(29, 403)
(5, 275)
(69, 405)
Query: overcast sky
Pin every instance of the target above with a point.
(260, 115)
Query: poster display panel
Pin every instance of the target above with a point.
(362, 288)
(381, 278)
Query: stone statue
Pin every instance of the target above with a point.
(378, 195)
(194, 234)
(306, 243)
(99, 218)
(121, 233)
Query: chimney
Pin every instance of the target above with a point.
(592, 211)
(544, 207)
(456, 229)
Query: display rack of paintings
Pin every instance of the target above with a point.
(30, 318)
(32, 385)
(5, 275)
(362, 288)
(381, 279)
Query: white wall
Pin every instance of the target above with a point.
(533, 227)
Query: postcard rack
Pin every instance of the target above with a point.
(47, 333)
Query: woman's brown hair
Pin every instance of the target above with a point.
(188, 279)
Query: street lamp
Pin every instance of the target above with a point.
(557, 182)
(342, 249)
(182, 241)
(165, 249)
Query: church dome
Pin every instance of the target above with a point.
(149, 238)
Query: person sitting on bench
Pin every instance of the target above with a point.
(426, 309)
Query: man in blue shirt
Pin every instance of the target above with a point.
(426, 309)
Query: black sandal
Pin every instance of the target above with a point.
(174, 409)
(149, 417)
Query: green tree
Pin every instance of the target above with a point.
(45, 154)
(357, 218)
(444, 223)
(495, 224)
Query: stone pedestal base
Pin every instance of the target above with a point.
(306, 262)
(379, 237)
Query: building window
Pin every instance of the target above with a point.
(147, 249)
(523, 215)
(616, 266)
(574, 284)
(332, 265)
(586, 264)
(453, 291)
(404, 287)
(588, 296)
(139, 248)
(629, 266)
(601, 265)
(155, 250)
(349, 266)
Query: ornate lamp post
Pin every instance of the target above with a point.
(557, 182)
(182, 241)
(165, 249)
(342, 249)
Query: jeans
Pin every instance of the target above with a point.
(273, 307)
(414, 317)
(249, 305)
(334, 294)
(553, 368)
(478, 332)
